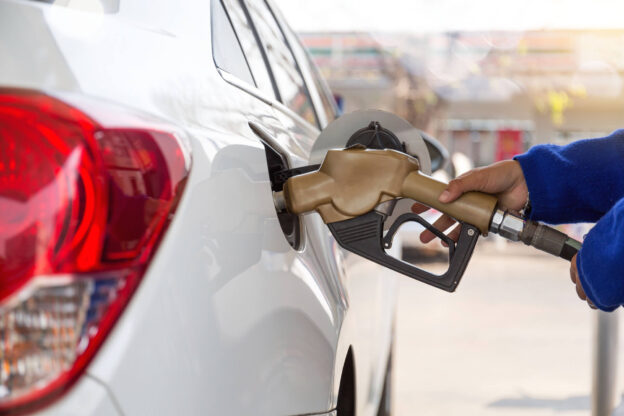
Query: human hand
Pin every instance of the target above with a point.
(575, 279)
(504, 179)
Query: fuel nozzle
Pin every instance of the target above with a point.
(351, 184)
(534, 234)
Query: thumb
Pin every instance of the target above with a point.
(467, 182)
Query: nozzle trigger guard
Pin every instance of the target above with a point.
(363, 235)
(408, 217)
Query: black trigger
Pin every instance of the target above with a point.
(408, 217)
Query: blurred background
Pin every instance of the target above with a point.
(488, 79)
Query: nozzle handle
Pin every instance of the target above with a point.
(476, 208)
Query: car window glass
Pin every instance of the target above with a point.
(226, 50)
(289, 82)
(250, 46)
(327, 99)
(308, 67)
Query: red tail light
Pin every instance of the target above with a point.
(82, 208)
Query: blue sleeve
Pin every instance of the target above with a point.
(579, 182)
(600, 261)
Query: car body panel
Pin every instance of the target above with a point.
(88, 397)
(228, 319)
(261, 311)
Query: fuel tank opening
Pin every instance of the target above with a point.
(290, 223)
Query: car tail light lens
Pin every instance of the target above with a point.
(82, 208)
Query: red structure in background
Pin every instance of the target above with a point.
(509, 144)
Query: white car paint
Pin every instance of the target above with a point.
(229, 319)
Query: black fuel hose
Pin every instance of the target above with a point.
(550, 240)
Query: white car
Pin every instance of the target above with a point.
(143, 267)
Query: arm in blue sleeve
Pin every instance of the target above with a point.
(600, 261)
(579, 182)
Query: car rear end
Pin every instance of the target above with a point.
(87, 191)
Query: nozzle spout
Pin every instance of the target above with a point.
(279, 201)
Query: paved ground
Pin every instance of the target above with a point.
(513, 340)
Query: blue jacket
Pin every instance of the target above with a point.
(584, 182)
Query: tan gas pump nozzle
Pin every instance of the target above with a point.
(352, 183)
